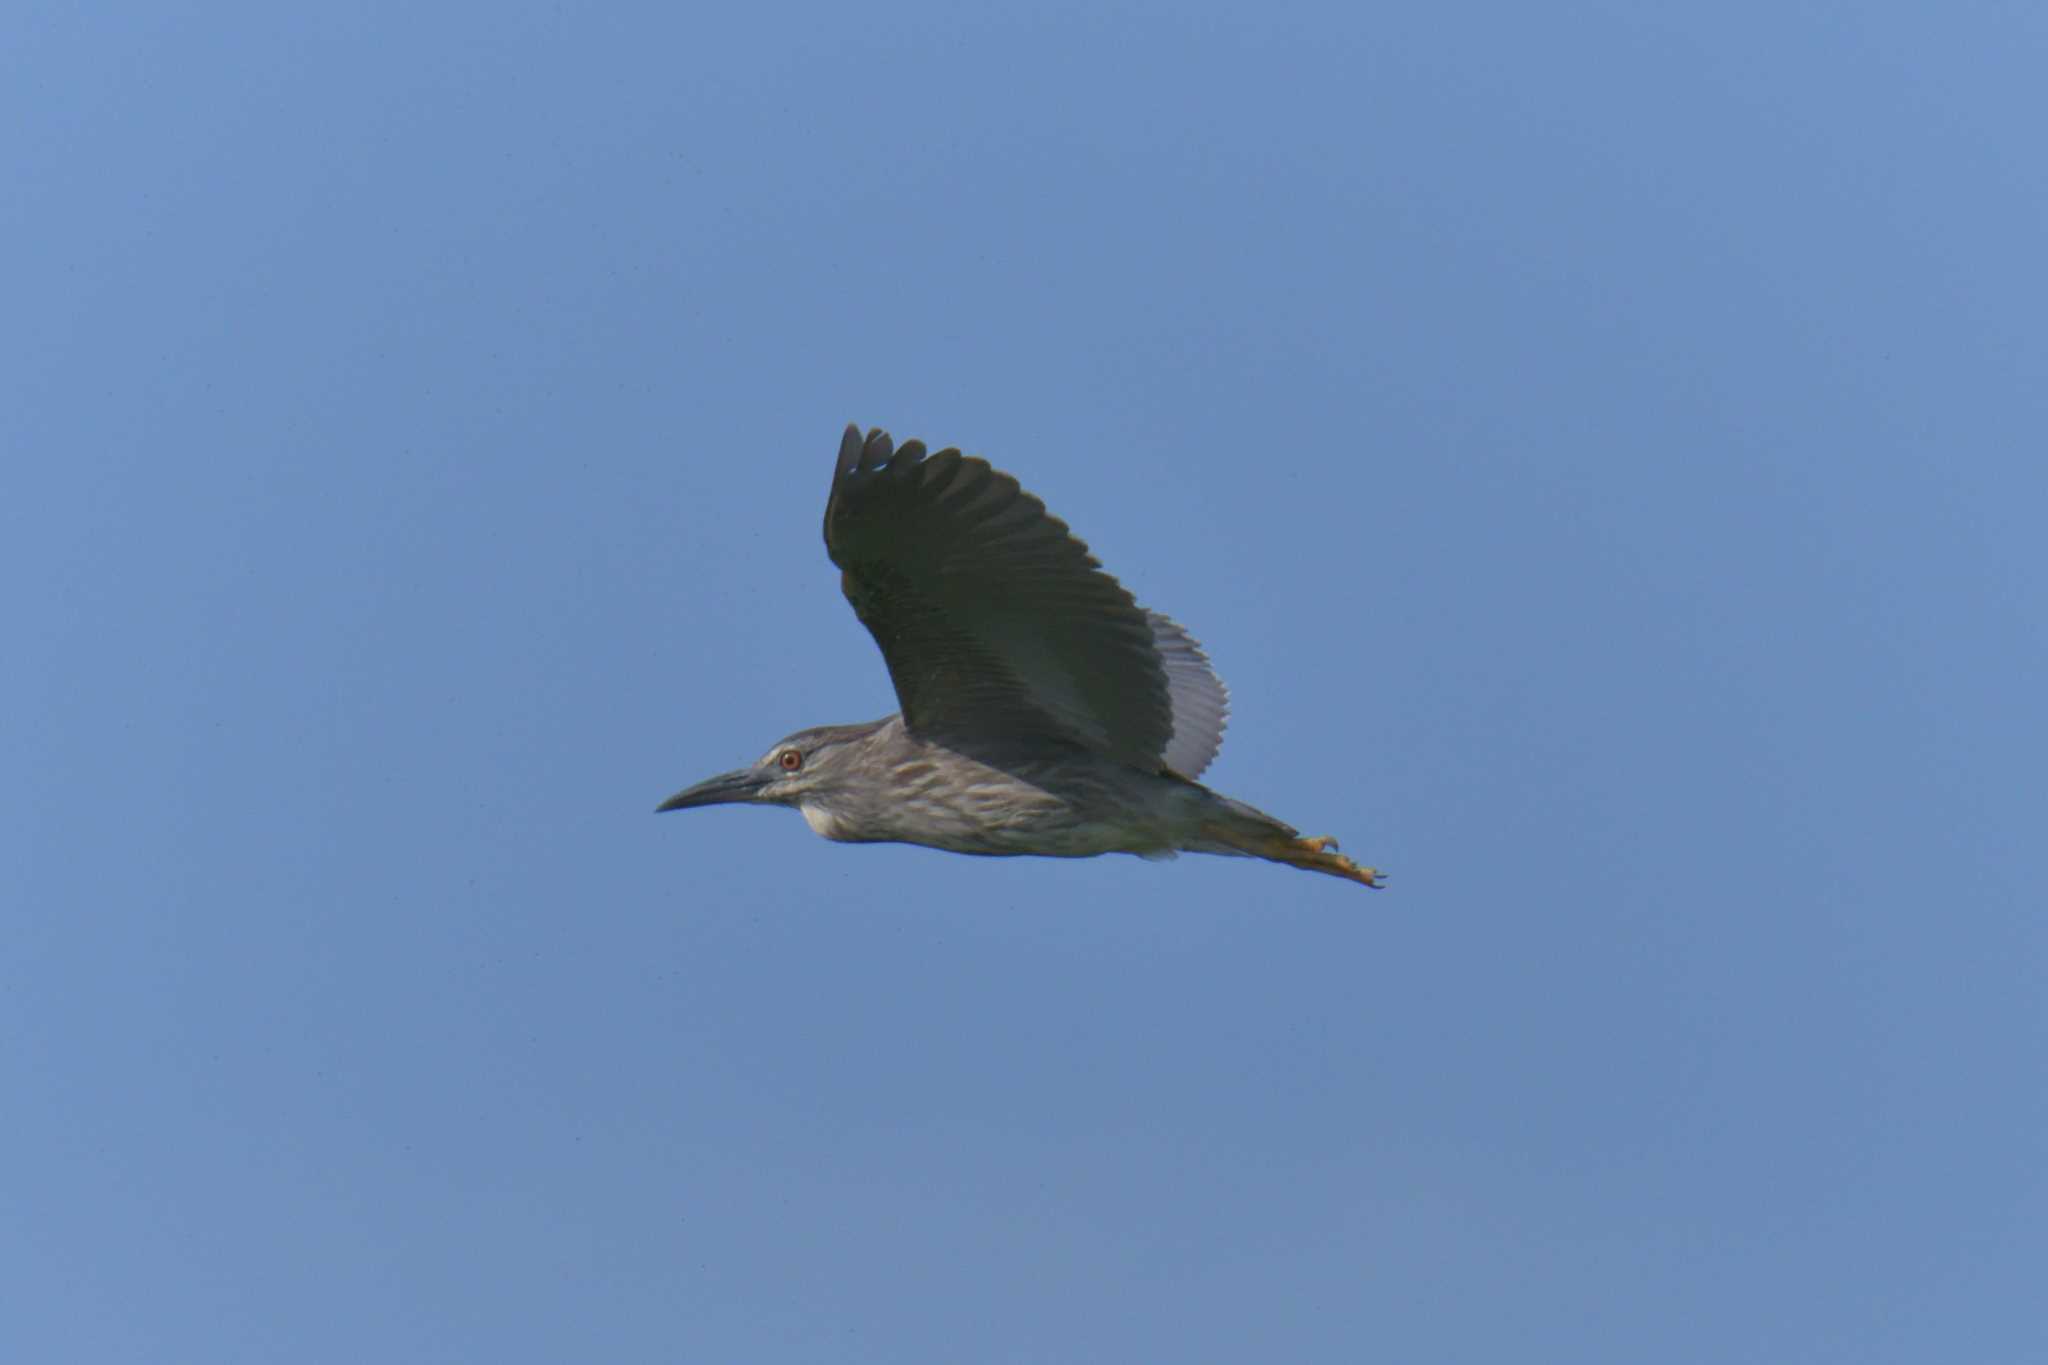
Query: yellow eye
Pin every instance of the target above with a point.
(790, 760)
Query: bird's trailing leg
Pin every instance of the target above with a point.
(1320, 855)
(1278, 844)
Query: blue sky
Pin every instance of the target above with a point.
(1601, 446)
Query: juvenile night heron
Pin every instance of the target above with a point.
(1044, 710)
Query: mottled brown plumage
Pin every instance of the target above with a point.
(1043, 710)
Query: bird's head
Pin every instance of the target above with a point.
(800, 770)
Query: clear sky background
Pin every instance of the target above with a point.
(1602, 446)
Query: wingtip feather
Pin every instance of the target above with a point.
(849, 451)
(875, 451)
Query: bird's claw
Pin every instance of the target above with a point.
(1326, 856)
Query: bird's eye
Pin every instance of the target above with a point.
(790, 760)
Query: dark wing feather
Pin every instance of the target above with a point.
(996, 623)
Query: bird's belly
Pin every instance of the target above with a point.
(1006, 826)
(1067, 840)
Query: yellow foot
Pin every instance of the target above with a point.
(1316, 855)
(1320, 855)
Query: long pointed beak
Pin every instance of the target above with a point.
(742, 784)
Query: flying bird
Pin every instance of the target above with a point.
(1044, 711)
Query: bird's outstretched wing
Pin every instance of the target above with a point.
(997, 624)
